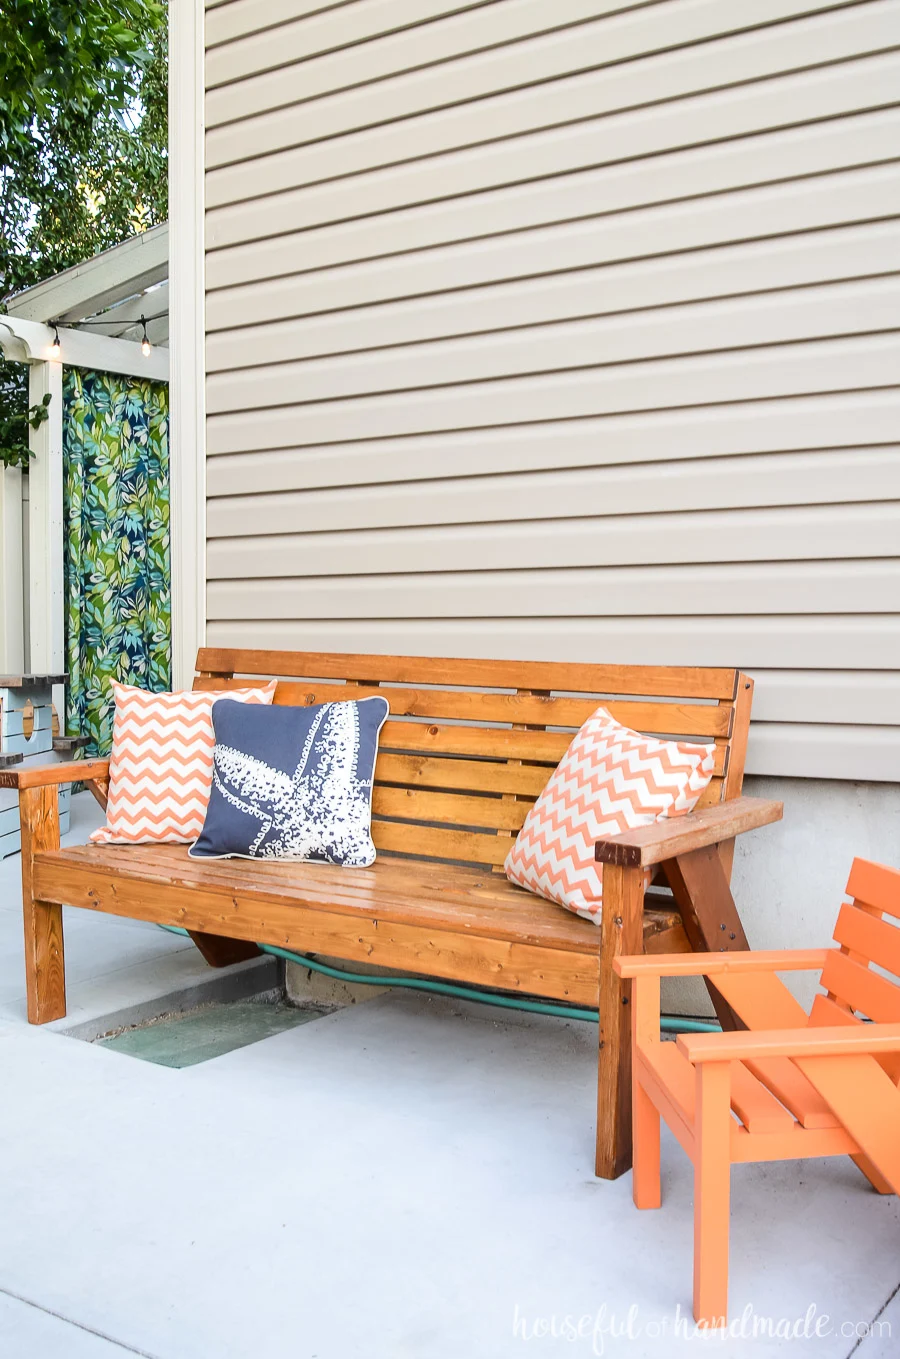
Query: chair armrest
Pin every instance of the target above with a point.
(711, 964)
(680, 834)
(42, 776)
(850, 1040)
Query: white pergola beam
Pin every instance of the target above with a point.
(105, 278)
(85, 349)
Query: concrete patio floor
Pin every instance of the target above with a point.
(409, 1177)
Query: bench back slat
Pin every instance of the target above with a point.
(470, 744)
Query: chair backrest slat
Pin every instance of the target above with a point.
(471, 743)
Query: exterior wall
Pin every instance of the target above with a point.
(564, 330)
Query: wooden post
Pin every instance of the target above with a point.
(621, 932)
(45, 966)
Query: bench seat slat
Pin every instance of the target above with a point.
(440, 896)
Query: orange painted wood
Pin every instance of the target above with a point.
(869, 936)
(861, 988)
(865, 1100)
(717, 964)
(837, 1041)
(645, 1121)
(755, 1106)
(876, 885)
(817, 1085)
(712, 1192)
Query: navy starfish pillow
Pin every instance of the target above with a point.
(296, 785)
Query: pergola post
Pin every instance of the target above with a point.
(12, 576)
(46, 592)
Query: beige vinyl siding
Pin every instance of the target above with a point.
(565, 330)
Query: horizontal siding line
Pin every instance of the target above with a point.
(279, 90)
(247, 364)
(837, 34)
(400, 480)
(259, 72)
(339, 215)
(665, 573)
(869, 84)
(291, 19)
(554, 482)
(216, 172)
(688, 186)
(824, 200)
(775, 240)
(275, 65)
(672, 201)
(774, 535)
(561, 420)
(531, 373)
(255, 10)
(767, 425)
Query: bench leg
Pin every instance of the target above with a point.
(621, 932)
(712, 1193)
(45, 967)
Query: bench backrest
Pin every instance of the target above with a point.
(470, 744)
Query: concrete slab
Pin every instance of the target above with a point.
(25, 1329)
(411, 1177)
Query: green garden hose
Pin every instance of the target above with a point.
(668, 1023)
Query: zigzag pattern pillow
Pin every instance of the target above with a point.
(160, 769)
(610, 780)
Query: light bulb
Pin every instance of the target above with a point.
(145, 347)
(55, 348)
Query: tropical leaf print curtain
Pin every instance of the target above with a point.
(116, 501)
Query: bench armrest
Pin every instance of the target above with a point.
(842, 1040)
(43, 776)
(713, 964)
(676, 835)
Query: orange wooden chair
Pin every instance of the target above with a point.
(792, 1085)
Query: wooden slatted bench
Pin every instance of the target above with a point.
(467, 748)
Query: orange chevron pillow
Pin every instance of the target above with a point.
(610, 780)
(160, 769)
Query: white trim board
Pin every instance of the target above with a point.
(30, 342)
(187, 409)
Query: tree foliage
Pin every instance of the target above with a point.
(83, 131)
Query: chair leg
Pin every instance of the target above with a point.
(712, 1193)
(645, 1179)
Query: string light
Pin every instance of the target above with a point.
(90, 324)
